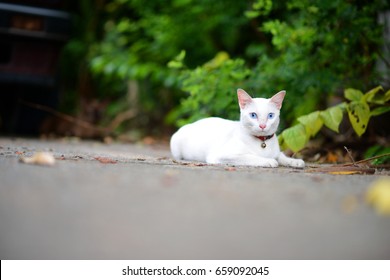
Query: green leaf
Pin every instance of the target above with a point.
(217, 61)
(177, 63)
(295, 137)
(252, 14)
(376, 151)
(353, 94)
(332, 117)
(181, 55)
(312, 123)
(379, 111)
(387, 96)
(359, 115)
(369, 96)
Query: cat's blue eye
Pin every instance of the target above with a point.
(253, 115)
(271, 115)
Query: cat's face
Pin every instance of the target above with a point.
(260, 116)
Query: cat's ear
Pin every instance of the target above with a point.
(243, 98)
(277, 99)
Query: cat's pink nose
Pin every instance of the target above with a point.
(262, 126)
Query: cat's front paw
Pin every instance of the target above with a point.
(270, 162)
(297, 163)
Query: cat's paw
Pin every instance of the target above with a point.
(297, 163)
(269, 162)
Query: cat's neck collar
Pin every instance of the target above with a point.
(264, 138)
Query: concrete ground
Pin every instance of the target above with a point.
(124, 201)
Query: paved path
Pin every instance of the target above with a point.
(146, 206)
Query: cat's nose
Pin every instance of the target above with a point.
(262, 126)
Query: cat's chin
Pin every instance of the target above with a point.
(262, 133)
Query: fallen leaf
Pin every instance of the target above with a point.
(230, 168)
(332, 157)
(378, 196)
(343, 170)
(105, 160)
(40, 158)
(346, 172)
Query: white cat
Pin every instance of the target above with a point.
(250, 141)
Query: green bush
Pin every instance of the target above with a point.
(312, 49)
(360, 108)
(211, 89)
(141, 37)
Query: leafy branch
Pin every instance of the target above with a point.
(359, 107)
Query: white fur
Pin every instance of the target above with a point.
(220, 141)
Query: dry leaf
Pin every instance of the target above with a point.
(343, 170)
(40, 158)
(378, 195)
(332, 157)
(230, 168)
(105, 160)
(347, 172)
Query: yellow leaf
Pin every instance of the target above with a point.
(359, 115)
(350, 172)
(378, 195)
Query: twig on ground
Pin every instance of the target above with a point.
(367, 160)
(350, 155)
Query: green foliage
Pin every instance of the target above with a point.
(211, 89)
(317, 48)
(332, 117)
(312, 49)
(294, 137)
(142, 37)
(312, 123)
(359, 115)
(188, 57)
(259, 7)
(378, 150)
(361, 107)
